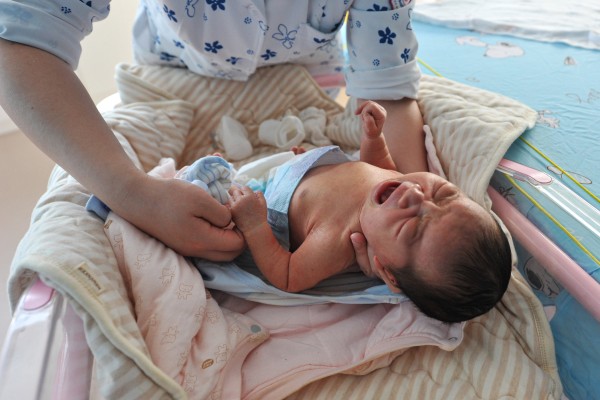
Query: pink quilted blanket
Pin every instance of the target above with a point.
(218, 346)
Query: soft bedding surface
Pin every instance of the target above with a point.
(170, 113)
(562, 83)
(575, 24)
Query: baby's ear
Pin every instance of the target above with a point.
(387, 276)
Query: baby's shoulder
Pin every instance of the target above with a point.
(333, 242)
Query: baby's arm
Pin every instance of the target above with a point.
(373, 148)
(291, 272)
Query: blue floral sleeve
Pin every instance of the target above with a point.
(56, 26)
(382, 50)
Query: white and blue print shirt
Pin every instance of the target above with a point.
(380, 62)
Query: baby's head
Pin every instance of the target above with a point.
(441, 249)
(466, 281)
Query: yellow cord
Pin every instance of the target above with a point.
(592, 195)
(533, 201)
(429, 67)
(560, 169)
(547, 214)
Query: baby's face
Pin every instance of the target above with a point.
(418, 219)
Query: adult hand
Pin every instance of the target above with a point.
(362, 257)
(184, 217)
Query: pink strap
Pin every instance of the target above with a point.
(571, 276)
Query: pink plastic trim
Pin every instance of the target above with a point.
(566, 271)
(37, 296)
(531, 173)
(328, 81)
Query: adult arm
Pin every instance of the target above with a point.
(44, 97)
(382, 54)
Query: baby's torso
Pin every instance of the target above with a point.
(285, 184)
(326, 199)
(320, 191)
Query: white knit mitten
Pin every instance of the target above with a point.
(234, 138)
(314, 120)
(284, 134)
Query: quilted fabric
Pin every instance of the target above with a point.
(166, 124)
(507, 353)
(472, 130)
(271, 93)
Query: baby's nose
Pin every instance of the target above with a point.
(413, 196)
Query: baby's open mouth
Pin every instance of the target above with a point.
(386, 190)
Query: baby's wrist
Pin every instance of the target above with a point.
(255, 230)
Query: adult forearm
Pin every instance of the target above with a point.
(47, 101)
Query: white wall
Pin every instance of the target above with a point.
(6, 125)
(108, 44)
(24, 169)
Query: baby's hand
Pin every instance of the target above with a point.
(248, 208)
(373, 116)
(298, 150)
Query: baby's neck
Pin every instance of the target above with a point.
(332, 197)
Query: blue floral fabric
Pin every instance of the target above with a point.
(199, 35)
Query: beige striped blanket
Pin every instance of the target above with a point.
(506, 354)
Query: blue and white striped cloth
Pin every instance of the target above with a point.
(213, 174)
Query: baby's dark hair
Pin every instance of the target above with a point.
(470, 285)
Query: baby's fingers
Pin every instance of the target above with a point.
(369, 126)
(360, 107)
(260, 197)
(235, 192)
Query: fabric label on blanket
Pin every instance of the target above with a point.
(84, 276)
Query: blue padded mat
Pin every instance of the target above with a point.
(562, 83)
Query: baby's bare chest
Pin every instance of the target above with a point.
(323, 207)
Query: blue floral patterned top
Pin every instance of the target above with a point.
(199, 35)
